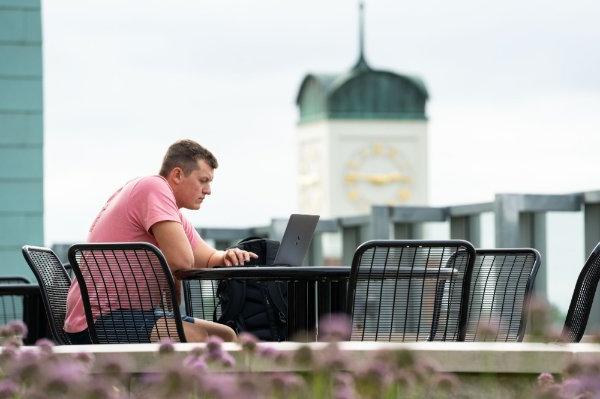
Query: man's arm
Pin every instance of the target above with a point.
(174, 244)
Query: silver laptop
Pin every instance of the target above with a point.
(296, 240)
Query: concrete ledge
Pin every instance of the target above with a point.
(456, 357)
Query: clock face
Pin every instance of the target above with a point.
(377, 174)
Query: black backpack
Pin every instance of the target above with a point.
(257, 307)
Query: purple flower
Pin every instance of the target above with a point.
(197, 351)
(331, 358)
(166, 346)
(343, 386)
(335, 327)
(545, 379)
(101, 389)
(8, 353)
(195, 364)
(377, 373)
(45, 345)
(248, 342)
(268, 352)
(214, 343)
(8, 389)
(286, 382)
(64, 375)
(85, 357)
(571, 387)
(344, 392)
(220, 386)
(227, 360)
(17, 327)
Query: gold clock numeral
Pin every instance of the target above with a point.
(377, 149)
(404, 195)
(353, 195)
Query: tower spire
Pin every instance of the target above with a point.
(362, 62)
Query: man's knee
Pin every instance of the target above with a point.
(228, 334)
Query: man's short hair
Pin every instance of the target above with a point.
(186, 154)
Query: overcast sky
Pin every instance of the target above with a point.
(515, 95)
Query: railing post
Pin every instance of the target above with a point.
(515, 228)
(532, 227)
(506, 214)
(466, 228)
(380, 227)
(351, 238)
(408, 231)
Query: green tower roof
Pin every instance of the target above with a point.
(361, 93)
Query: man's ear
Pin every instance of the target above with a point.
(176, 174)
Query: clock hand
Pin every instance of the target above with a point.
(378, 179)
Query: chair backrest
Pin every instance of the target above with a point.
(11, 306)
(501, 287)
(54, 283)
(583, 298)
(128, 292)
(410, 290)
(200, 298)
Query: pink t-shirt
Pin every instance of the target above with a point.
(128, 216)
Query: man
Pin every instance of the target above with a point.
(148, 210)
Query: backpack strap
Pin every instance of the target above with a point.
(278, 300)
(235, 292)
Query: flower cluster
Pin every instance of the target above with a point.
(579, 380)
(209, 371)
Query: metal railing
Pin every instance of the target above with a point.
(519, 221)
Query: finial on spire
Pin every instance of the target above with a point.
(361, 63)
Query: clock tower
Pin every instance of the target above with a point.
(362, 139)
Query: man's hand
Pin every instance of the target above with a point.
(237, 257)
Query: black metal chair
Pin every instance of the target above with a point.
(583, 298)
(128, 293)
(11, 305)
(54, 283)
(200, 299)
(501, 286)
(410, 290)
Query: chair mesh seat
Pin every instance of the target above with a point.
(501, 286)
(200, 297)
(406, 290)
(128, 292)
(54, 283)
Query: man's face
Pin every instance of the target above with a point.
(191, 190)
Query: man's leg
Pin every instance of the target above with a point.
(200, 329)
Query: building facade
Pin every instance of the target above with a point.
(21, 132)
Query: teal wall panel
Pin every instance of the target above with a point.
(20, 60)
(20, 95)
(12, 263)
(21, 196)
(28, 4)
(23, 129)
(20, 25)
(15, 230)
(21, 133)
(21, 163)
